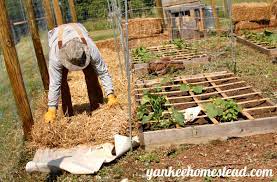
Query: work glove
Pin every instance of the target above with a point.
(50, 116)
(112, 100)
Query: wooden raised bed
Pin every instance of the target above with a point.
(181, 57)
(258, 116)
(262, 48)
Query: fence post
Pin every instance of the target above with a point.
(14, 72)
(37, 43)
(48, 14)
(73, 11)
(58, 13)
(214, 8)
(160, 11)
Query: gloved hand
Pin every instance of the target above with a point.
(50, 116)
(112, 100)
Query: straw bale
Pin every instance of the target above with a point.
(251, 12)
(98, 127)
(273, 9)
(143, 27)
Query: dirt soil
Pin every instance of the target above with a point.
(254, 152)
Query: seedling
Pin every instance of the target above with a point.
(223, 110)
(198, 89)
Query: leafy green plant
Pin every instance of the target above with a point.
(185, 87)
(266, 38)
(198, 89)
(151, 108)
(150, 112)
(223, 110)
(179, 43)
(143, 54)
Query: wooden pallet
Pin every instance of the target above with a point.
(184, 56)
(263, 49)
(258, 116)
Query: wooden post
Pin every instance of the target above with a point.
(160, 11)
(48, 14)
(14, 72)
(217, 26)
(58, 13)
(37, 43)
(73, 11)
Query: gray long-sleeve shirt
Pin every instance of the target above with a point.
(55, 66)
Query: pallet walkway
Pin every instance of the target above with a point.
(183, 56)
(263, 49)
(258, 115)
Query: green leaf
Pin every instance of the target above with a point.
(145, 99)
(145, 119)
(178, 117)
(184, 87)
(212, 110)
(198, 89)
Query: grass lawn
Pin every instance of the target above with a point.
(101, 34)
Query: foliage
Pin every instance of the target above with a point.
(266, 38)
(150, 112)
(198, 89)
(224, 110)
(179, 43)
(143, 54)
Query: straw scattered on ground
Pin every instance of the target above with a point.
(97, 128)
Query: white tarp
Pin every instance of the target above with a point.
(80, 159)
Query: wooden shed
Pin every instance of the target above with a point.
(184, 18)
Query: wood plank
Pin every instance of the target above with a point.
(261, 108)
(192, 77)
(207, 133)
(195, 83)
(207, 94)
(178, 85)
(206, 101)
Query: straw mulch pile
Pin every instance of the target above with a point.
(108, 43)
(248, 25)
(97, 128)
(144, 27)
(251, 12)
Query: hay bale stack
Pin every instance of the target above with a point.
(251, 12)
(144, 27)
